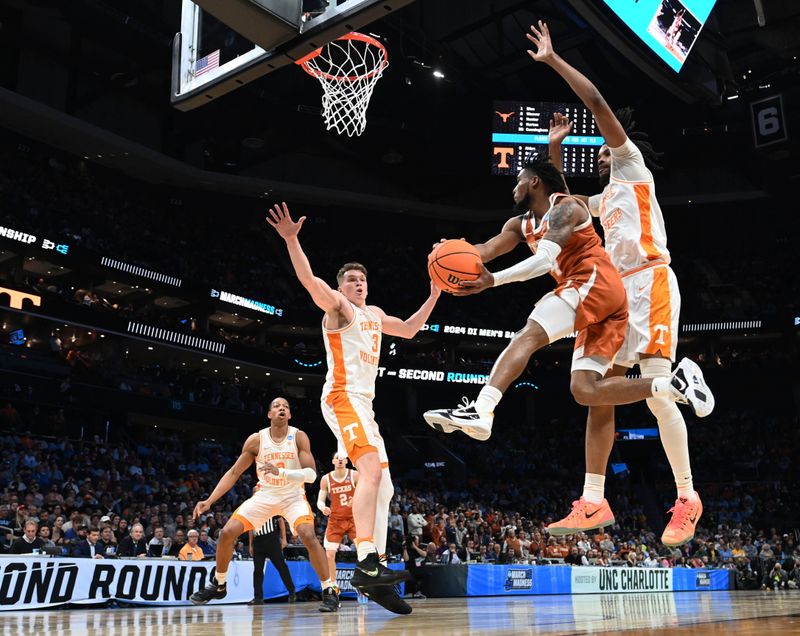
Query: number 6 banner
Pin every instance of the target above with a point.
(769, 126)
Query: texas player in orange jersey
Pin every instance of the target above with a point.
(339, 484)
(589, 298)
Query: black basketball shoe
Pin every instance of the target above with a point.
(387, 597)
(330, 600)
(210, 592)
(370, 572)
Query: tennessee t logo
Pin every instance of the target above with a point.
(349, 430)
(661, 330)
(505, 152)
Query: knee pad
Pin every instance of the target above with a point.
(665, 410)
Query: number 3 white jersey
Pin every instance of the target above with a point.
(633, 226)
(282, 455)
(353, 354)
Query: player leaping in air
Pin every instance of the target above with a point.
(636, 240)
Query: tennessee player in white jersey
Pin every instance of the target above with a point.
(284, 464)
(636, 240)
(352, 332)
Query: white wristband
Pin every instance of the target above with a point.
(540, 263)
(299, 475)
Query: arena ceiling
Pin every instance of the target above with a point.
(424, 134)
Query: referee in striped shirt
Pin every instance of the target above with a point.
(268, 542)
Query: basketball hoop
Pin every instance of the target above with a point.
(348, 69)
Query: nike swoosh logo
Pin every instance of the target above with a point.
(693, 519)
(369, 572)
(589, 516)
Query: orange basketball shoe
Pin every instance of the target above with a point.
(585, 516)
(685, 515)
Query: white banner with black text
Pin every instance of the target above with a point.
(31, 582)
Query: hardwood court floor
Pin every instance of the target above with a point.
(728, 613)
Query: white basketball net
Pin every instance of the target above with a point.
(347, 69)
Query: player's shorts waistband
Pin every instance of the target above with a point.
(660, 262)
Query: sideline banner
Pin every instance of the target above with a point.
(30, 582)
(511, 580)
(689, 580)
(593, 580)
(34, 582)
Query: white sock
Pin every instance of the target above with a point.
(487, 401)
(385, 494)
(221, 577)
(328, 583)
(364, 549)
(674, 439)
(671, 425)
(594, 487)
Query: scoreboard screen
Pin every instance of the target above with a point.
(668, 27)
(520, 129)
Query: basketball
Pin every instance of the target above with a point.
(451, 262)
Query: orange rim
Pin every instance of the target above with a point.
(361, 37)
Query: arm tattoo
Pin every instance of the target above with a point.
(561, 222)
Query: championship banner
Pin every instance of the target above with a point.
(512, 580)
(35, 582)
(691, 580)
(594, 580)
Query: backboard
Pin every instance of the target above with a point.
(224, 44)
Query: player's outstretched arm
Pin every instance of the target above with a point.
(509, 237)
(607, 122)
(324, 297)
(561, 221)
(560, 128)
(408, 328)
(245, 460)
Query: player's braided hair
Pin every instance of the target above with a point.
(638, 137)
(549, 174)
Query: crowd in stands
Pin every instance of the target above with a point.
(134, 498)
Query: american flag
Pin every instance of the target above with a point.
(205, 64)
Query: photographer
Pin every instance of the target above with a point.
(412, 553)
(777, 579)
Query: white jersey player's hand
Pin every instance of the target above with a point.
(541, 40)
(560, 128)
(281, 220)
(200, 508)
(267, 467)
(326, 510)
